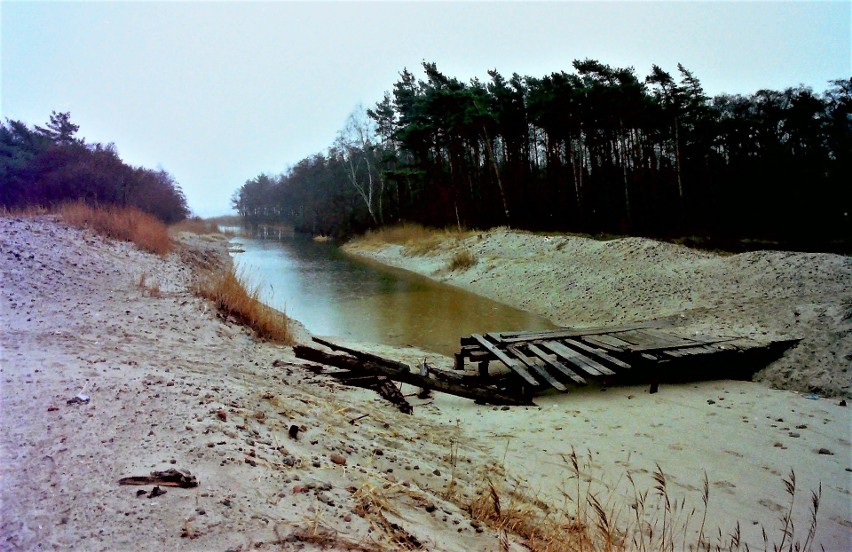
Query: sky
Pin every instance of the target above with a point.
(219, 92)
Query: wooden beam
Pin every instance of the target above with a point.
(553, 363)
(484, 395)
(513, 364)
(363, 355)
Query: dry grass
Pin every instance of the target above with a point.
(235, 297)
(195, 225)
(418, 240)
(461, 260)
(595, 519)
(151, 290)
(120, 223)
(23, 212)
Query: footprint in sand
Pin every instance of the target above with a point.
(766, 503)
(725, 486)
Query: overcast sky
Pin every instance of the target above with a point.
(217, 93)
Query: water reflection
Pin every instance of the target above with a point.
(335, 295)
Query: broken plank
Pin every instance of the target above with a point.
(643, 340)
(555, 364)
(577, 359)
(575, 344)
(513, 364)
(540, 370)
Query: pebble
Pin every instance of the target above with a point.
(826, 451)
(337, 459)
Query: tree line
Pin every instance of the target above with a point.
(596, 150)
(47, 166)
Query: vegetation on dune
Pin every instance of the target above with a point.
(48, 166)
(120, 223)
(234, 297)
(597, 150)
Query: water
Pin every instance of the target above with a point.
(336, 295)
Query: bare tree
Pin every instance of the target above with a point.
(357, 147)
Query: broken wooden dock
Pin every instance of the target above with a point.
(512, 367)
(648, 351)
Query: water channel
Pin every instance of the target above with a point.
(337, 295)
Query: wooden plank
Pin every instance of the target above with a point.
(540, 370)
(513, 337)
(608, 342)
(647, 340)
(579, 360)
(555, 364)
(573, 343)
(513, 364)
(393, 364)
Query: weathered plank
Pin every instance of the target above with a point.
(540, 370)
(513, 364)
(579, 360)
(553, 363)
(362, 355)
(514, 337)
(599, 353)
(608, 342)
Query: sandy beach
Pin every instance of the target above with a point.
(170, 384)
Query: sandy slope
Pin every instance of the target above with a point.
(172, 385)
(576, 281)
(159, 370)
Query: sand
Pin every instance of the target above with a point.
(172, 385)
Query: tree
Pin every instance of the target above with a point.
(60, 129)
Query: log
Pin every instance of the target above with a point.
(484, 395)
(362, 355)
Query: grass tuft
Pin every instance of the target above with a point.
(418, 240)
(120, 223)
(233, 296)
(461, 260)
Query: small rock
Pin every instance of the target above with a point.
(222, 415)
(436, 472)
(337, 459)
(156, 491)
(826, 452)
(504, 408)
(842, 402)
(430, 508)
(379, 452)
(794, 434)
(711, 401)
(52, 408)
(347, 518)
(293, 431)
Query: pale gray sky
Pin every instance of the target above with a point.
(216, 93)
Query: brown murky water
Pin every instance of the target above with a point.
(333, 294)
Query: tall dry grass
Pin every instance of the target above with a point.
(120, 223)
(595, 519)
(234, 296)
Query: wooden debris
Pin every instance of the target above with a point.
(483, 393)
(166, 478)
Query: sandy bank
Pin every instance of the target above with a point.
(174, 386)
(576, 281)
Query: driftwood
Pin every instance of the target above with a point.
(166, 478)
(395, 371)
